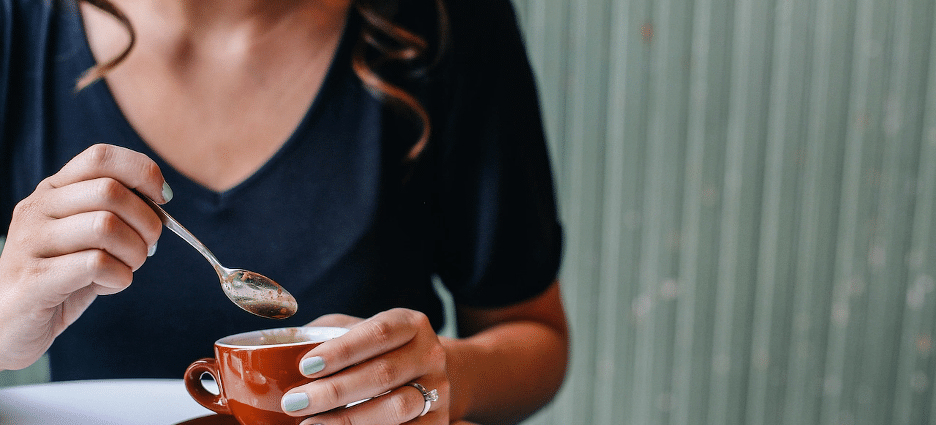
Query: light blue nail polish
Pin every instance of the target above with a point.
(295, 401)
(312, 365)
(166, 192)
(151, 250)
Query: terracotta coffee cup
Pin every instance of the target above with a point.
(253, 370)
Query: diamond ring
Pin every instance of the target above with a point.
(428, 396)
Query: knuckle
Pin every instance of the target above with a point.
(436, 355)
(104, 223)
(97, 260)
(333, 392)
(109, 190)
(385, 373)
(98, 152)
(98, 155)
(413, 319)
(420, 320)
(401, 406)
(381, 332)
(35, 268)
(25, 208)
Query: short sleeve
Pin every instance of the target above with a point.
(500, 240)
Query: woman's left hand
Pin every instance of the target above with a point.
(374, 361)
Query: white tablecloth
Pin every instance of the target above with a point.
(118, 402)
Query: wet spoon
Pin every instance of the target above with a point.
(251, 291)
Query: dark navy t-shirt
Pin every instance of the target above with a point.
(335, 215)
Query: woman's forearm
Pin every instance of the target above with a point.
(512, 360)
(505, 373)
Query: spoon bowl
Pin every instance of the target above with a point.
(253, 292)
(242, 287)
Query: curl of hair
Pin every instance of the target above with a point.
(381, 45)
(98, 71)
(384, 45)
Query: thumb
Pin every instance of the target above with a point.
(336, 320)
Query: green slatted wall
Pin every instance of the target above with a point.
(748, 189)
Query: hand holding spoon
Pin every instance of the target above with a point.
(253, 292)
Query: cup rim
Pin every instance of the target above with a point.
(322, 334)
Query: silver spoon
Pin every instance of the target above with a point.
(251, 291)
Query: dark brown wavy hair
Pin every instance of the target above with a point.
(381, 45)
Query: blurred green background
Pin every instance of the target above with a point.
(748, 189)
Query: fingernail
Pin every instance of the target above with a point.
(295, 401)
(312, 365)
(151, 250)
(166, 192)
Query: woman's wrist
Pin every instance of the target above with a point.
(457, 352)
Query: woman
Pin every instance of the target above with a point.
(351, 150)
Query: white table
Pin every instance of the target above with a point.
(117, 402)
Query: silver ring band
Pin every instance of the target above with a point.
(428, 396)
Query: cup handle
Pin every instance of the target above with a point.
(214, 402)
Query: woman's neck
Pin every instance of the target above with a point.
(246, 27)
(216, 87)
(221, 14)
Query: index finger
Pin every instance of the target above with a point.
(133, 169)
(382, 333)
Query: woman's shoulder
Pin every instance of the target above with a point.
(467, 22)
(480, 12)
(479, 21)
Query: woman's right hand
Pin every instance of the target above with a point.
(80, 234)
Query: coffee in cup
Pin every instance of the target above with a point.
(253, 370)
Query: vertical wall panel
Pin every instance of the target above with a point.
(698, 238)
(750, 72)
(628, 54)
(783, 168)
(667, 33)
(850, 283)
(914, 392)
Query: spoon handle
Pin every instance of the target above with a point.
(183, 233)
